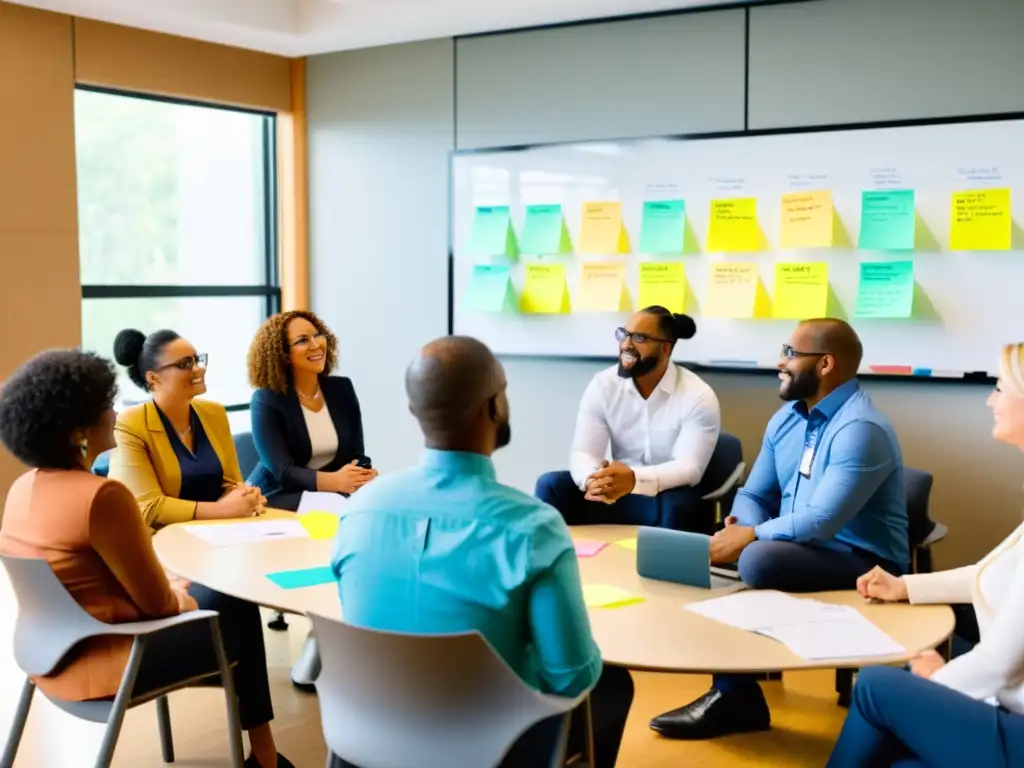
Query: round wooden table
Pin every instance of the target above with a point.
(656, 634)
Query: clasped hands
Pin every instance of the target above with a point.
(350, 478)
(728, 543)
(610, 482)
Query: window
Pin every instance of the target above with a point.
(177, 216)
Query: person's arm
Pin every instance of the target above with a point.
(590, 440)
(269, 433)
(119, 536)
(691, 452)
(861, 458)
(760, 497)
(944, 587)
(131, 464)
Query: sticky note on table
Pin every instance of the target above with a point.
(607, 596)
(627, 544)
(304, 577)
(602, 287)
(736, 291)
(544, 231)
(980, 220)
(492, 233)
(807, 219)
(662, 283)
(545, 291)
(734, 225)
(490, 289)
(602, 230)
(801, 291)
(588, 547)
(886, 289)
(320, 525)
(663, 229)
(888, 220)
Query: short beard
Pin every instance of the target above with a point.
(800, 386)
(641, 367)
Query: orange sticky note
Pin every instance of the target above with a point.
(807, 219)
(602, 230)
(736, 291)
(602, 287)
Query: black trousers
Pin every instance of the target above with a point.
(187, 650)
(609, 707)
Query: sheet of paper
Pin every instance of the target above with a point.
(544, 231)
(735, 290)
(602, 287)
(492, 233)
(807, 219)
(490, 289)
(760, 609)
(627, 544)
(545, 291)
(588, 547)
(886, 289)
(231, 534)
(980, 220)
(663, 228)
(846, 635)
(888, 220)
(801, 291)
(602, 230)
(607, 596)
(662, 283)
(734, 226)
(304, 577)
(320, 501)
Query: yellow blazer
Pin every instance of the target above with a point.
(144, 460)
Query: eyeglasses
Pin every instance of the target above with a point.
(791, 354)
(621, 334)
(187, 363)
(302, 341)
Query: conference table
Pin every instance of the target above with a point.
(656, 634)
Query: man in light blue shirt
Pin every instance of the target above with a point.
(823, 505)
(443, 547)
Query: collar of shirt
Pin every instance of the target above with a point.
(831, 403)
(668, 384)
(459, 463)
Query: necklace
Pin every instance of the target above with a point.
(314, 396)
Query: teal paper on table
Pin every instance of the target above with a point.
(887, 220)
(489, 289)
(304, 577)
(663, 229)
(886, 289)
(544, 231)
(492, 233)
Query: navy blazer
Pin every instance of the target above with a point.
(282, 440)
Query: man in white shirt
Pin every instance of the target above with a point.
(662, 423)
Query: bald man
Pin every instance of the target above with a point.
(824, 504)
(443, 547)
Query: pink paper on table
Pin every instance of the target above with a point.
(589, 547)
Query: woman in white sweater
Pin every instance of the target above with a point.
(969, 712)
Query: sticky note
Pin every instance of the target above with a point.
(304, 577)
(888, 220)
(662, 283)
(320, 525)
(602, 230)
(980, 220)
(736, 291)
(588, 547)
(663, 228)
(544, 231)
(734, 225)
(545, 291)
(602, 287)
(886, 289)
(807, 219)
(627, 544)
(492, 232)
(607, 596)
(490, 289)
(801, 291)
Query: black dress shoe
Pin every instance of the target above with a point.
(282, 762)
(715, 714)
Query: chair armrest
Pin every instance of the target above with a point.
(142, 628)
(731, 482)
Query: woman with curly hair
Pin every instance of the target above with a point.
(57, 416)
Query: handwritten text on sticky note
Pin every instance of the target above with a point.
(801, 291)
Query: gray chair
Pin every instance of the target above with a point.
(722, 478)
(390, 700)
(248, 458)
(924, 532)
(49, 626)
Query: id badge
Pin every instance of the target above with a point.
(806, 460)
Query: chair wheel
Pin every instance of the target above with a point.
(278, 623)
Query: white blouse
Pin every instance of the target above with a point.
(323, 437)
(994, 669)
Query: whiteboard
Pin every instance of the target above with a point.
(967, 304)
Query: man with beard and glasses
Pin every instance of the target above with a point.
(443, 547)
(824, 504)
(662, 423)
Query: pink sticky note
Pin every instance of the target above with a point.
(589, 547)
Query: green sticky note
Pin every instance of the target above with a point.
(886, 289)
(304, 577)
(492, 233)
(887, 220)
(489, 289)
(663, 229)
(544, 231)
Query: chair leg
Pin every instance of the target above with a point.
(121, 701)
(279, 623)
(18, 724)
(163, 722)
(227, 679)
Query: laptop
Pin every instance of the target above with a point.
(682, 558)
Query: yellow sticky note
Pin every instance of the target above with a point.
(736, 291)
(602, 287)
(607, 596)
(801, 291)
(602, 230)
(627, 543)
(807, 219)
(319, 525)
(980, 220)
(734, 225)
(544, 291)
(662, 283)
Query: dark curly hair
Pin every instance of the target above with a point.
(48, 398)
(268, 353)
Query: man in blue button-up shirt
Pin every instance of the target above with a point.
(824, 504)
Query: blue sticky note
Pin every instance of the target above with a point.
(489, 289)
(663, 229)
(303, 577)
(887, 220)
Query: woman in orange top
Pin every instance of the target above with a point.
(57, 416)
